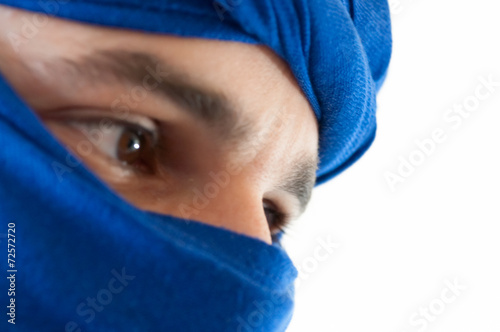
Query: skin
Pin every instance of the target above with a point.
(276, 126)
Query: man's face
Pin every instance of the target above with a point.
(201, 129)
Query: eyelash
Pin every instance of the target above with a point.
(282, 221)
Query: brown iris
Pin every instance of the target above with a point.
(135, 148)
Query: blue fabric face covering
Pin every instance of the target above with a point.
(87, 261)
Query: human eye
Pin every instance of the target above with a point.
(277, 220)
(129, 143)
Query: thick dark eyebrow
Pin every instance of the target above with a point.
(136, 68)
(300, 180)
(211, 107)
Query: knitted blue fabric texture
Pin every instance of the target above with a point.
(88, 261)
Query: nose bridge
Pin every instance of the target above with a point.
(237, 207)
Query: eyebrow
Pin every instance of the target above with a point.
(301, 179)
(211, 107)
(133, 68)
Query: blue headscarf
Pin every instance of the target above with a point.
(88, 261)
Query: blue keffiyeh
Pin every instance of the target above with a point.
(88, 261)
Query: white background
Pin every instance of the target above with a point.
(397, 249)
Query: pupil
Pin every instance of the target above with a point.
(130, 146)
(134, 143)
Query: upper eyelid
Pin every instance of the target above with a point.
(97, 117)
(287, 216)
(87, 114)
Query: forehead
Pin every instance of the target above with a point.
(257, 83)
